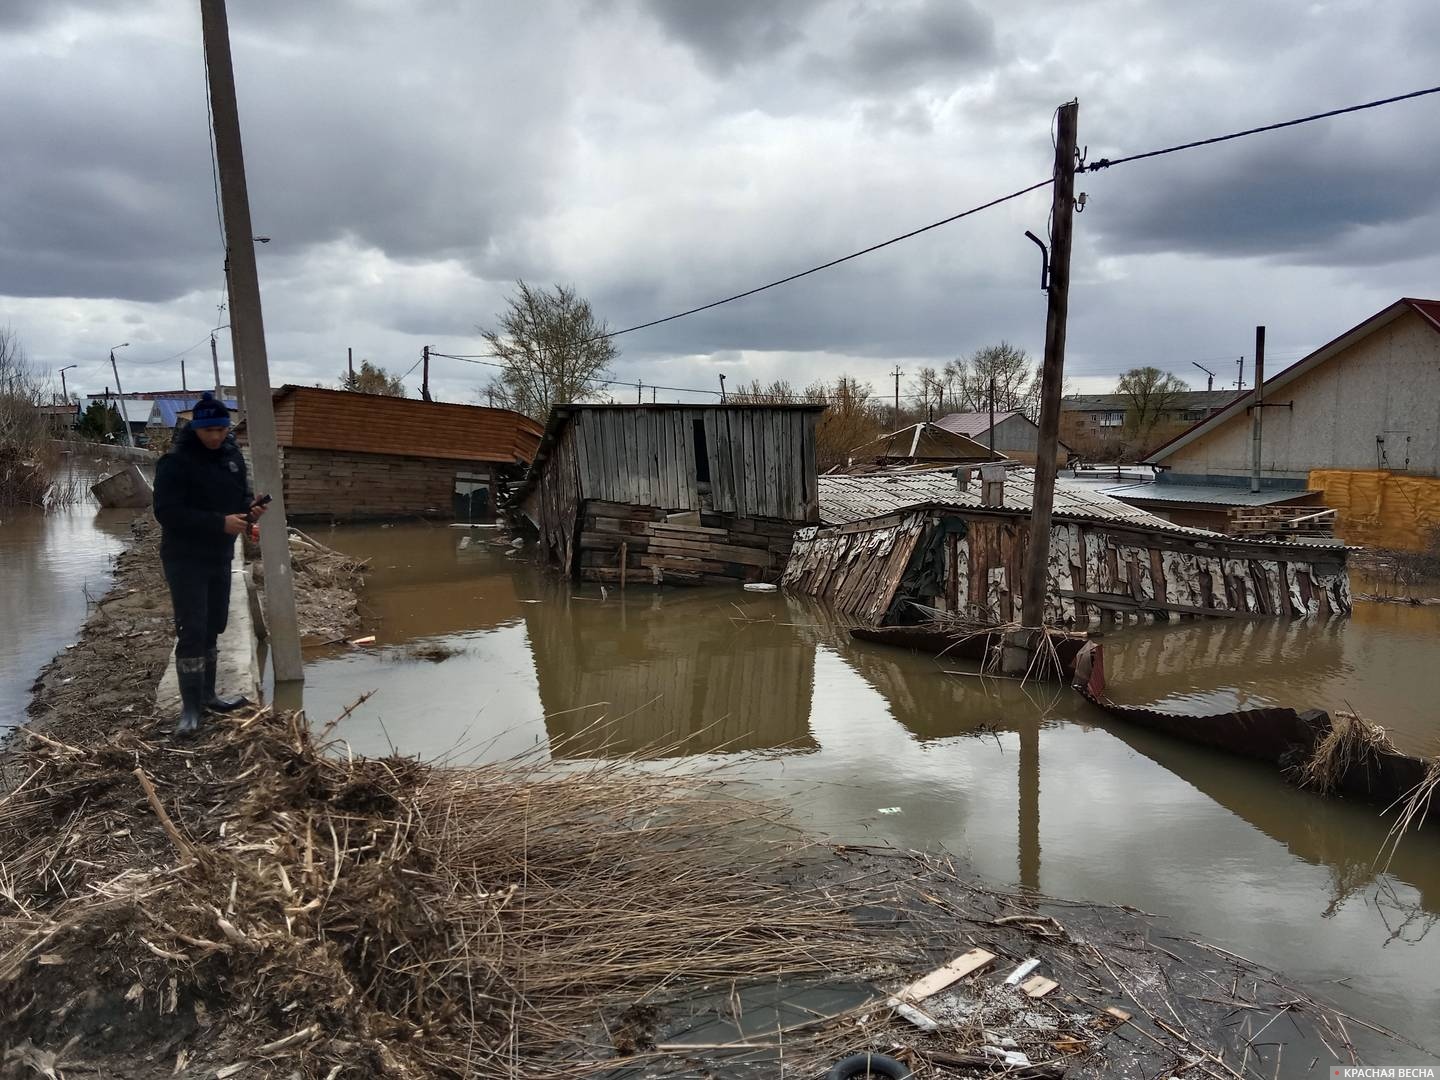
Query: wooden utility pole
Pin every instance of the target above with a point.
(215, 362)
(992, 414)
(183, 385)
(897, 373)
(248, 335)
(425, 374)
(1259, 409)
(1052, 374)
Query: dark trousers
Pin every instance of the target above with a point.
(200, 593)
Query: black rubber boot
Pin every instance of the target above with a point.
(190, 674)
(213, 701)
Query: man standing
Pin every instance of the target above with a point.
(202, 501)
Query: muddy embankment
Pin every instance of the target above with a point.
(247, 904)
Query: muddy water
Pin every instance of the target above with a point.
(52, 567)
(1032, 785)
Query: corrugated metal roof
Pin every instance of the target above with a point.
(973, 423)
(846, 499)
(134, 412)
(165, 412)
(923, 440)
(1217, 494)
(1178, 402)
(851, 498)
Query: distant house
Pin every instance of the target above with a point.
(347, 456)
(698, 493)
(167, 412)
(1354, 426)
(1099, 425)
(1016, 435)
(921, 444)
(133, 410)
(62, 417)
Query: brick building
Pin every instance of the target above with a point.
(346, 455)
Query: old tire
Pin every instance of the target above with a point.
(858, 1066)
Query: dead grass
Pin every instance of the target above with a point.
(1351, 742)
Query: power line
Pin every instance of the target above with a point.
(833, 262)
(1105, 163)
(475, 358)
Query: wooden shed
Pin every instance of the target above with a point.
(926, 541)
(350, 455)
(672, 492)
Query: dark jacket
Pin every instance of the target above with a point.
(195, 489)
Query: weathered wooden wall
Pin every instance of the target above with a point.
(1097, 571)
(761, 461)
(338, 485)
(705, 547)
(554, 503)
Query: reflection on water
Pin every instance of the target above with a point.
(51, 567)
(1029, 783)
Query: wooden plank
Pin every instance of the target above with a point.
(947, 975)
(688, 472)
(1037, 986)
(712, 456)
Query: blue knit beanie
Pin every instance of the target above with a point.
(209, 413)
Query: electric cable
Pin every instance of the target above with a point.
(1106, 163)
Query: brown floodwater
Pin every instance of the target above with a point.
(52, 568)
(1032, 785)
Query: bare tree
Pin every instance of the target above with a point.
(553, 348)
(372, 379)
(778, 392)
(1017, 380)
(850, 421)
(1149, 395)
(26, 454)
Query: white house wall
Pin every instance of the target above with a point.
(1387, 384)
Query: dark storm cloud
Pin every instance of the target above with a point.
(1306, 195)
(735, 32)
(376, 136)
(895, 47)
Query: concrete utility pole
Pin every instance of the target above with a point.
(639, 391)
(722, 389)
(248, 334)
(350, 365)
(183, 385)
(1062, 214)
(215, 362)
(1240, 374)
(64, 390)
(425, 374)
(1210, 375)
(120, 397)
(897, 373)
(1259, 409)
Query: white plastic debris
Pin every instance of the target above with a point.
(1013, 979)
(887, 809)
(760, 586)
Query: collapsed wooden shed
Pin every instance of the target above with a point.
(695, 493)
(890, 543)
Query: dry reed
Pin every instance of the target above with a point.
(1351, 742)
(386, 916)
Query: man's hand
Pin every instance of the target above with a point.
(235, 524)
(258, 511)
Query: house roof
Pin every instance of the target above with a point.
(975, 423)
(850, 498)
(1428, 310)
(1185, 399)
(846, 499)
(1208, 494)
(132, 410)
(316, 418)
(925, 440)
(165, 412)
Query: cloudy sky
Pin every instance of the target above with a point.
(410, 161)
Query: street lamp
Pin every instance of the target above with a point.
(64, 390)
(124, 415)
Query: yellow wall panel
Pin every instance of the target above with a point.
(1379, 508)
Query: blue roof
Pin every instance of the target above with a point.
(166, 411)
